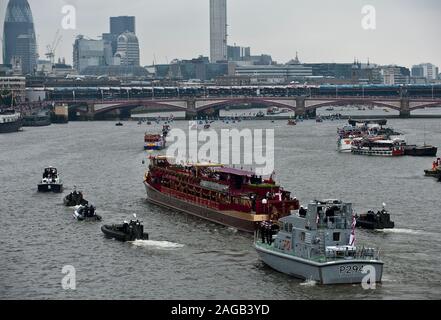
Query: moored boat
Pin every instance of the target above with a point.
(231, 197)
(420, 151)
(37, 120)
(10, 121)
(318, 243)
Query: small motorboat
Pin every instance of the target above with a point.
(119, 124)
(75, 199)
(128, 231)
(375, 221)
(51, 181)
(86, 213)
(436, 169)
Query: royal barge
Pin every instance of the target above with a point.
(227, 196)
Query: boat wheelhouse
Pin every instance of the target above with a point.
(51, 181)
(232, 197)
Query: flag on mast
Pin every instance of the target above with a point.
(352, 237)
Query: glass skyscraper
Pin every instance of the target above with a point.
(19, 36)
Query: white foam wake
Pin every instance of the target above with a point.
(402, 231)
(157, 244)
(309, 283)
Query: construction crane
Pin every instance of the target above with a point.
(50, 54)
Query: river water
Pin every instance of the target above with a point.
(193, 259)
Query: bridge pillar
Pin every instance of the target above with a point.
(90, 112)
(405, 108)
(300, 110)
(191, 112)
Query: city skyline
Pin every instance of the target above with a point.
(406, 30)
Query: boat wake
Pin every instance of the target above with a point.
(401, 231)
(164, 245)
(309, 283)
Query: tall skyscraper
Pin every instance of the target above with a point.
(218, 30)
(119, 25)
(19, 36)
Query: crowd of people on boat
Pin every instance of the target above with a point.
(50, 174)
(76, 197)
(436, 165)
(87, 211)
(267, 230)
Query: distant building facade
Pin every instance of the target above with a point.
(236, 53)
(88, 53)
(395, 75)
(199, 69)
(275, 73)
(425, 70)
(19, 36)
(218, 30)
(15, 84)
(127, 51)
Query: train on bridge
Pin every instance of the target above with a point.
(132, 92)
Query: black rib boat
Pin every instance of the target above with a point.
(128, 231)
(375, 221)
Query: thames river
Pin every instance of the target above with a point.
(190, 258)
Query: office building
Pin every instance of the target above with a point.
(127, 51)
(425, 70)
(118, 26)
(88, 53)
(19, 39)
(218, 30)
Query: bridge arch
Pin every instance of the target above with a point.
(130, 105)
(344, 102)
(219, 105)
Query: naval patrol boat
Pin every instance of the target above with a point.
(318, 243)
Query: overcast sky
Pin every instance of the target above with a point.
(408, 31)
